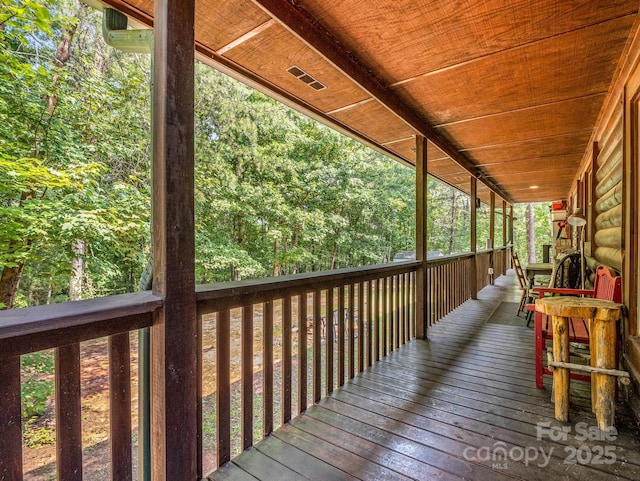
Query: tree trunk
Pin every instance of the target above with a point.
(9, 283)
(531, 234)
(276, 264)
(77, 271)
(334, 255)
(10, 278)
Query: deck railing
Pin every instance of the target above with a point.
(62, 327)
(345, 320)
(448, 284)
(326, 327)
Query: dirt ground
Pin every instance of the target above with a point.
(39, 462)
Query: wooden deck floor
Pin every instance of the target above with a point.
(461, 406)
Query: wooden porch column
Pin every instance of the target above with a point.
(474, 237)
(492, 218)
(421, 237)
(504, 222)
(509, 259)
(174, 333)
(511, 224)
(504, 253)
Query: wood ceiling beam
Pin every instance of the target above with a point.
(311, 32)
(249, 35)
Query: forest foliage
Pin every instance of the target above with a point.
(276, 192)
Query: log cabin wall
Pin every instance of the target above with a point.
(607, 241)
(610, 181)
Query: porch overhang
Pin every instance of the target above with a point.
(509, 94)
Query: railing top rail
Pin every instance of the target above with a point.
(297, 283)
(449, 259)
(44, 327)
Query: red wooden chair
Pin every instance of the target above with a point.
(606, 286)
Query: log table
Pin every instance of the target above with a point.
(602, 316)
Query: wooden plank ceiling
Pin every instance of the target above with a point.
(508, 90)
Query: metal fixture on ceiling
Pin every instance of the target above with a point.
(303, 76)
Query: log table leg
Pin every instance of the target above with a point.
(603, 316)
(561, 375)
(603, 403)
(593, 354)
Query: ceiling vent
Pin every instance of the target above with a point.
(303, 76)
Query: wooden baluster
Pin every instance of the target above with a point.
(450, 287)
(429, 295)
(267, 376)
(361, 334)
(247, 376)
(341, 336)
(407, 311)
(223, 391)
(456, 286)
(385, 317)
(375, 301)
(401, 304)
(329, 336)
(120, 406)
(68, 413)
(438, 292)
(393, 313)
(10, 419)
(369, 341)
(199, 422)
(286, 359)
(399, 310)
(412, 296)
(317, 346)
(302, 353)
(351, 353)
(409, 301)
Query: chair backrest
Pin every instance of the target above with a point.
(607, 286)
(566, 272)
(522, 279)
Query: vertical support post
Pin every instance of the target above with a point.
(174, 332)
(492, 234)
(504, 223)
(421, 237)
(510, 239)
(511, 224)
(10, 419)
(474, 238)
(504, 237)
(631, 239)
(492, 218)
(594, 168)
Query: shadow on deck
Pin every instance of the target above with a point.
(462, 405)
